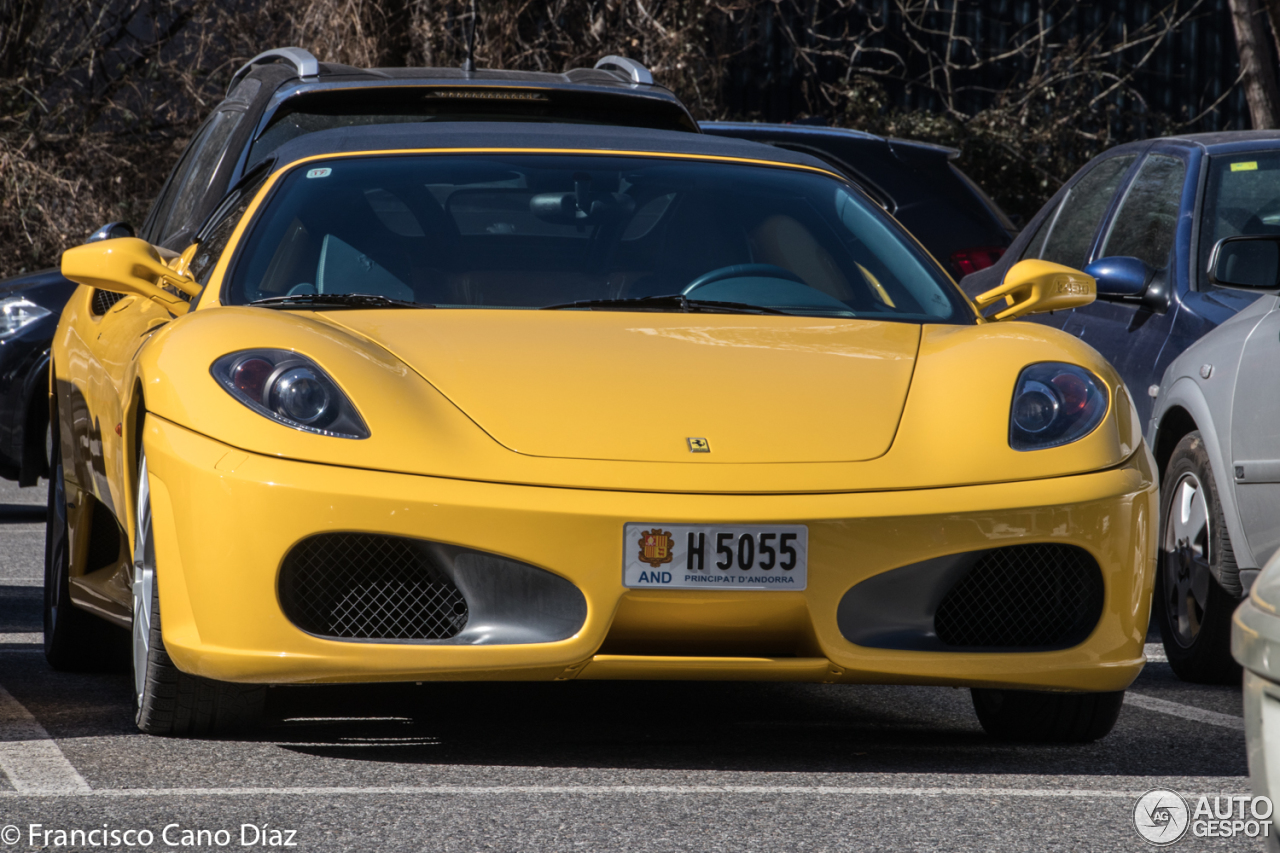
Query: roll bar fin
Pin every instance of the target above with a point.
(303, 62)
(632, 70)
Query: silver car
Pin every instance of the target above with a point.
(1215, 432)
(1255, 642)
(1215, 429)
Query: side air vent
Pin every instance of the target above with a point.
(103, 300)
(362, 586)
(1023, 596)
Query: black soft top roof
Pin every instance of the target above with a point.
(531, 135)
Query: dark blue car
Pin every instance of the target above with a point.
(1143, 219)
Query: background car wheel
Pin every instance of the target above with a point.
(1191, 607)
(1038, 717)
(167, 701)
(73, 639)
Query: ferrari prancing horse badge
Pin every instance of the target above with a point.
(655, 547)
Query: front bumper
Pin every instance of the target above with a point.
(225, 519)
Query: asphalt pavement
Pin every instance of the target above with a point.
(577, 766)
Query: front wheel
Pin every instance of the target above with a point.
(167, 701)
(1033, 716)
(1192, 608)
(74, 640)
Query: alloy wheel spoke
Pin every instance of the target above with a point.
(1199, 582)
(143, 578)
(1182, 585)
(1186, 558)
(1190, 514)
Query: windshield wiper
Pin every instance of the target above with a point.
(673, 300)
(336, 300)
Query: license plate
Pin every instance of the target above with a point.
(715, 556)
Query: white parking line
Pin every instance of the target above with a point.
(29, 757)
(21, 639)
(625, 790)
(1186, 712)
(1155, 653)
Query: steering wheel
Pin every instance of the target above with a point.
(742, 271)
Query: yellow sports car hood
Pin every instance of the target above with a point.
(646, 387)
(494, 396)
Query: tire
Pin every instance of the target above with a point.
(1037, 717)
(1191, 606)
(167, 701)
(74, 640)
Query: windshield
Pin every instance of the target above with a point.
(534, 231)
(1242, 198)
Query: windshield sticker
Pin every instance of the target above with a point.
(1247, 166)
(324, 173)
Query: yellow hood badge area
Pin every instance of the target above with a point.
(699, 445)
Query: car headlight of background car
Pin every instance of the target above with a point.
(1055, 404)
(18, 312)
(291, 389)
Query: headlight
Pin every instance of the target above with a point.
(18, 312)
(291, 389)
(1055, 404)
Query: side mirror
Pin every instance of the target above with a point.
(1033, 287)
(112, 231)
(1246, 263)
(1125, 279)
(1120, 277)
(129, 265)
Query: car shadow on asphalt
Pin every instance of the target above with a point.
(694, 726)
(743, 727)
(20, 609)
(719, 726)
(22, 514)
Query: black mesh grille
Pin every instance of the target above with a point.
(104, 299)
(361, 586)
(1023, 596)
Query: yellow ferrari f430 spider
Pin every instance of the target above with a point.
(534, 402)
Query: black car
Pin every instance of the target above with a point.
(277, 96)
(29, 309)
(915, 181)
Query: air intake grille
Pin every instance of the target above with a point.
(103, 300)
(360, 586)
(1023, 596)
